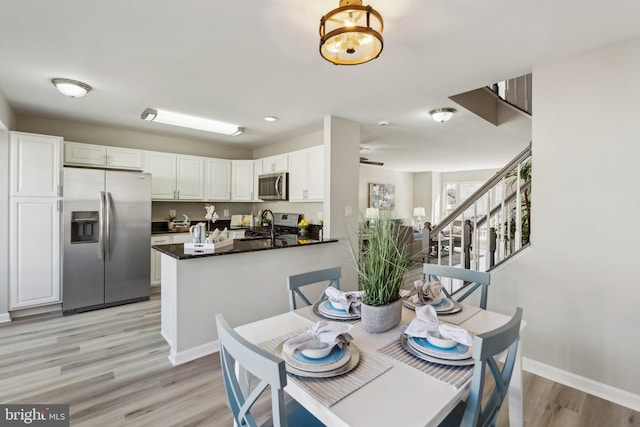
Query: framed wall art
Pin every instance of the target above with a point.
(382, 196)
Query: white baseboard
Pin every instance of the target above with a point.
(604, 391)
(4, 318)
(193, 353)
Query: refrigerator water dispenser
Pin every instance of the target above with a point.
(85, 227)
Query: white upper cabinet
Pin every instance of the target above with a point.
(190, 177)
(218, 185)
(162, 167)
(306, 175)
(36, 165)
(175, 177)
(257, 171)
(76, 153)
(315, 176)
(279, 163)
(242, 180)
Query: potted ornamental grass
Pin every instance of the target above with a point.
(381, 266)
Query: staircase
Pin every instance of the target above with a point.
(507, 104)
(491, 226)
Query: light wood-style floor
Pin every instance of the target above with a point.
(111, 366)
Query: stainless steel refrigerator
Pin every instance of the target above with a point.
(107, 232)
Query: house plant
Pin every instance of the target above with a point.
(381, 265)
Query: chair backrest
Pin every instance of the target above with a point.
(294, 283)
(477, 278)
(269, 369)
(485, 347)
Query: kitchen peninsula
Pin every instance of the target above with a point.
(245, 281)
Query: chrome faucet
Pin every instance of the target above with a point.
(273, 229)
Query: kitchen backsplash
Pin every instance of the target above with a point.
(195, 210)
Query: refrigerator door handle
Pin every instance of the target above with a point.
(101, 227)
(107, 245)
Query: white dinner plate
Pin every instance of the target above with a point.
(325, 309)
(352, 362)
(441, 309)
(420, 355)
(458, 352)
(338, 357)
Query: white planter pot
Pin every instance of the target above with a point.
(378, 319)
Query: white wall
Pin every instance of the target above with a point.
(578, 284)
(7, 119)
(4, 226)
(403, 182)
(422, 192)
(7, 116)
(312, 139)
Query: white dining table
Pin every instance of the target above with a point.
(402, 395)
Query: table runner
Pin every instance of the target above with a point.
(330, 391)
(457, 376)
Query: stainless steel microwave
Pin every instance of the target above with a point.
(273, 186)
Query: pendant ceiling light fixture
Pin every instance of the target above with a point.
(72, 88)
(191, 122)
(442, 114)
(351, 34)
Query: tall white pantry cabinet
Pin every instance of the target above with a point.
(35, 215)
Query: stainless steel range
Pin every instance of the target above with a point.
(284, 223)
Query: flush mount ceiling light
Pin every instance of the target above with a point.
(191, 122)
(72, 88)
(442, 114)
(270, 119)
(351, 34)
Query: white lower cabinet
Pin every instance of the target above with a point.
(181, 238)
(163, 239)
(155, 257)
(34, 253)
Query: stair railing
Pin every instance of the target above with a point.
(494, 230)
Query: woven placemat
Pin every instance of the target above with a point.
(330, 391)
(457, 376)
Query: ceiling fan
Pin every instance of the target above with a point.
(365, 161)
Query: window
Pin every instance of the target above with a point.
(457, 192)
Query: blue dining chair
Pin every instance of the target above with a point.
(485, 349)
(295, 282)
(269, 369)
(477, 278)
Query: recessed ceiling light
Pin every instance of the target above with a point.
(270, 118)
(191, 122)
(72, 88)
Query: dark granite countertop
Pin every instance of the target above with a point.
(243, 245)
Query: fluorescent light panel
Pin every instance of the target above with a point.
(191, 122)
